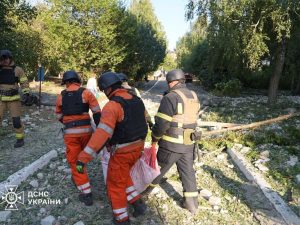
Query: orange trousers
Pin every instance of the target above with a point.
(120, 187)
(74, 145)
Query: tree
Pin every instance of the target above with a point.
(244, 34)
(16, 34)
(81, 35)
(148, 42)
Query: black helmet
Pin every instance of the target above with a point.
(175, 75)
(70, 75)
(5, 54)
(122, 77)
(108, 79)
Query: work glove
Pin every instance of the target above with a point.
(80, 167)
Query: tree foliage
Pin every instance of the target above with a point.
(16, 35)
(91, 35)
(244, 36)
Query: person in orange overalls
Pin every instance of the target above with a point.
(123, 129)
(72, 109)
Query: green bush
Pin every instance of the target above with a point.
(230, 88)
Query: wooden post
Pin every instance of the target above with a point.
(251, 125)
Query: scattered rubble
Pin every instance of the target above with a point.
(4, 215)
(49, 220)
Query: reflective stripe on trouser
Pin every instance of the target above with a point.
(121, 214)
(190, 194)
(119, 184)
(184, 163)
(131, 194)
(14, 108)
(74, 145)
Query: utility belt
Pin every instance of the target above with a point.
(184, 136)
(9, 93)
(114, 148)
(77, 123)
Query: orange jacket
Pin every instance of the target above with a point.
(111, 114)
(87, 97)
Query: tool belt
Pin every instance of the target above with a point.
(190, 136)
(77, 123)
(10, 92)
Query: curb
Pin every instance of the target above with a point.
(18, 177)
(281, 207)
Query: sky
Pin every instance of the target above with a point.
(171, 15)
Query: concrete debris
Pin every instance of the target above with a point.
(230, 166)
(205, 194)
(293, 161)
(34, 183)
(48, 220)
(214, 201)
(42, 211)
(221, 157)
(298, 179)
(262, 168)
(66, 200)
(60, 168)
(4, 215)
(40, 176)
(52, 166)
(237, 146)
(265, 154)
(67, 170)
(245, 150)
(79, 223)
(259, 161)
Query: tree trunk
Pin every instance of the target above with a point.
(296, 88)
(274, 80)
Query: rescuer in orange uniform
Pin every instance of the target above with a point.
(72, 109)
(122, 129)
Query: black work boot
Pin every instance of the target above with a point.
(87, 199)
(139, 208)
(19, 143)
(126, 222)
(189, 204)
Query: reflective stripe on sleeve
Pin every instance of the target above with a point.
(164, 116)
(95, 109)
(106, 128)
(90, 151)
